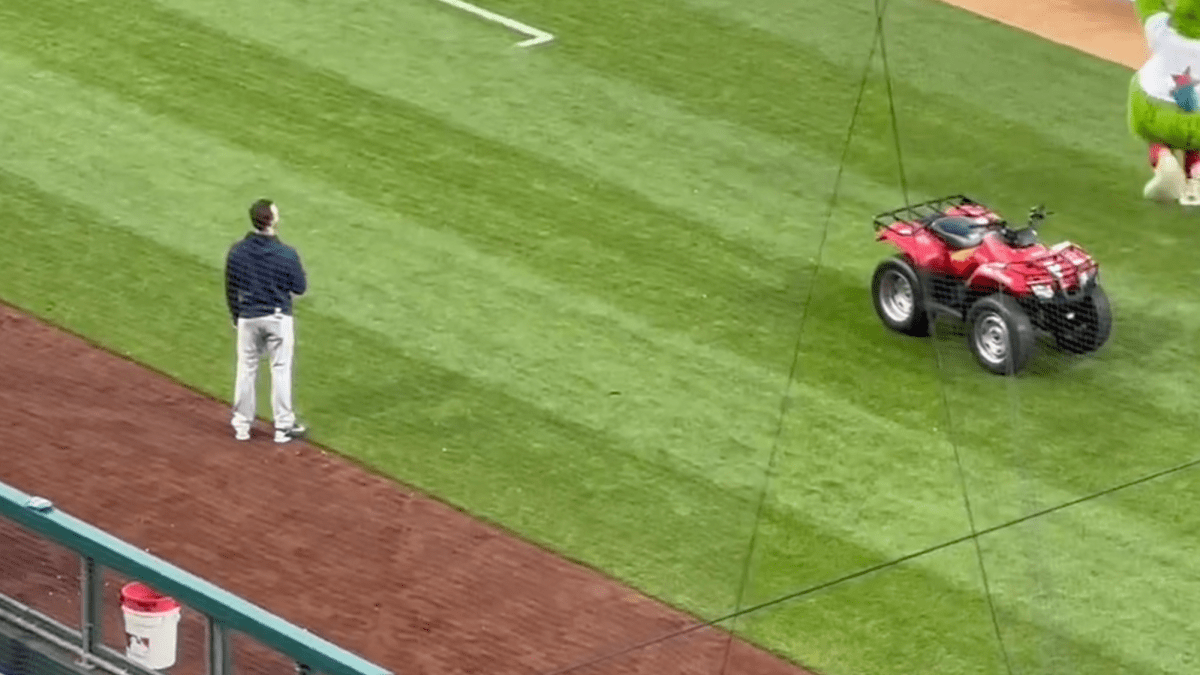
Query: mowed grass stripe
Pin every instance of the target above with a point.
(1107, 578)
(766, 192)
(822, 481)
(696, 446)
(704, 526)
(953, 136)
(340, 341)
(357, 408)
(1078, 567)
(741, 458)
(704, 440)
(877, 625)
(698, 408)
(408, 412)
(842, 369)
(939, 47)
(396, 156)
(723, 69)
(698, 542)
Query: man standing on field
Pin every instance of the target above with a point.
(261, 276)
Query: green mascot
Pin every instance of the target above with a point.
(1163, 101)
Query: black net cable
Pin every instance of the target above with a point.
(887, 80)
(966, 498)
(878, 43)
(958, 460)
(785, 398)
(952, 438)
(867, 571)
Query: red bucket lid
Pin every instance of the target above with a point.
(140, 597)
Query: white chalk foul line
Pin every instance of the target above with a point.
(536, 35)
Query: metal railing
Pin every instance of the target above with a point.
(223, 611)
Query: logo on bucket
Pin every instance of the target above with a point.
(151, 622)
(138, 646)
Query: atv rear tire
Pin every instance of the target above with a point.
(1090, 326)
(1001, 336)
(899, 302)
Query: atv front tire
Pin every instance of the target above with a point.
(1001, 336)
(899, 302)
(1085, 326)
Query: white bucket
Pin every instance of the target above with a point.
(151, 626)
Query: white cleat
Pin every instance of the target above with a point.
(290, 434)
(1169, 181)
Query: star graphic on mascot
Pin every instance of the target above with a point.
(1184, 92)
(1185, 79)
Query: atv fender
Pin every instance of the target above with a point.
(990, 277)
(907, 240)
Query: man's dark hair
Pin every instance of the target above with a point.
(260, 214)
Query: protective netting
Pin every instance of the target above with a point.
(190, 631)
(252, 657)
(984, 380)
(41, 619)
(959, 259)
(998, 307)
(39, 574)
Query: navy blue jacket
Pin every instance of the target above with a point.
(261, 274)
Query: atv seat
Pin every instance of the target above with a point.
(958, 232)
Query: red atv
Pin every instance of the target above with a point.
(960, 258)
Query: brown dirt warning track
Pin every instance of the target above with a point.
(1107, 29)
(399, 578)
(392, 575)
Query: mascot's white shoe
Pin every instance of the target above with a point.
(1191, 193)
(1169, 181)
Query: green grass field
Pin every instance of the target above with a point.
(561, 287)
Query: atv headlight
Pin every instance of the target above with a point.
(1084, 278)
(1042, 291)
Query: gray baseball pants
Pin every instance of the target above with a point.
(273, 336)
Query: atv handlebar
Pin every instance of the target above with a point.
(1026, 236)
(1038, 214)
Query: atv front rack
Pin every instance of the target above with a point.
(923, 211)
